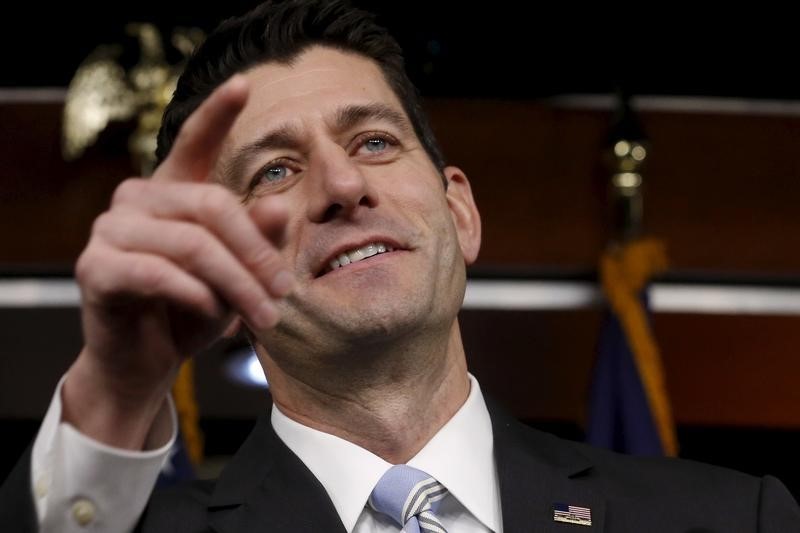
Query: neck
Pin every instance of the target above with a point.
(393, 411)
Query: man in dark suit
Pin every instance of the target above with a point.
(301, 195)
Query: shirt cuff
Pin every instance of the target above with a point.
(80, 484)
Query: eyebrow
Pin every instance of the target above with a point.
(289, 137)
(351, 116)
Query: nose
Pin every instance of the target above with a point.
(340, 188)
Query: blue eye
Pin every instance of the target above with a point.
(275, 173)
(274, 176)
(375, 144)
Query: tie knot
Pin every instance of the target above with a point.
(405, 492)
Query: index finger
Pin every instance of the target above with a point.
(196, 148)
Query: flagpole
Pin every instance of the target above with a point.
(630, 410)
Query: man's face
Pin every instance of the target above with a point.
(377, 245)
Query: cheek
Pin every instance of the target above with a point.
(414, 186)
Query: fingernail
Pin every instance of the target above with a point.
(266, 316)
(237, 82)
(282, 284)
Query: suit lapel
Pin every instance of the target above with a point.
(536, 472)
(266, 487)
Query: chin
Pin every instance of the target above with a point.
(378, 322)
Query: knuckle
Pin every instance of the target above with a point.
(95, 273)
(191, 242)
(102, 223)
(84, 267)
(128, 190)
(148, 275)
(216, 202)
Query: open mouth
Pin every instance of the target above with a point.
(355, 255)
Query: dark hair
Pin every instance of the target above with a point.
(279, 31)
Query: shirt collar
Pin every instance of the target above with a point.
(349, 472)
(461, 457)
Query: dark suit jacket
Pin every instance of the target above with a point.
(266, 488)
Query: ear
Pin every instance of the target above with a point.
(465, 214)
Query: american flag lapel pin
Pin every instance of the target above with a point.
(572, 514)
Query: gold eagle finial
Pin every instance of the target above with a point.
(103, 91)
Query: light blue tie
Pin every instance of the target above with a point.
(410, 497)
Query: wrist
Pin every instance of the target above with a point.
(114, 410)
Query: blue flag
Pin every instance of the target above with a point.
(629, 409)
(620, 417)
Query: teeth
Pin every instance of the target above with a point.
(356, 255)
(370, 250)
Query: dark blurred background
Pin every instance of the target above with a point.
(485, 49)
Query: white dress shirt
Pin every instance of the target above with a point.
(460, 456)
(81, 485)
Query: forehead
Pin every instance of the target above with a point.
(309, 91)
